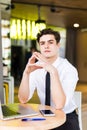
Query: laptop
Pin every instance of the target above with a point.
(14, 111)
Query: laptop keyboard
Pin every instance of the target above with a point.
(8, 112)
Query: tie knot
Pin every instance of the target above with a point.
(47, 74)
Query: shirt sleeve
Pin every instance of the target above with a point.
(32, 84)
(69, 82)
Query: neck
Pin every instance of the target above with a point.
(52, 59)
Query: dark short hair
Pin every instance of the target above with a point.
(48, 31)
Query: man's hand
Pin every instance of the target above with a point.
(43, 63)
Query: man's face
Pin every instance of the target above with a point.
(48, 46)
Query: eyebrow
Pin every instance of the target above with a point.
(47, 41)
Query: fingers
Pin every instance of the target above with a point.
(37, 56)
(32, 59)
(40, 57)
(38, 65)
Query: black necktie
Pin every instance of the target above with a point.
(47, 96)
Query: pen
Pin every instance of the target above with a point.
(33, 119)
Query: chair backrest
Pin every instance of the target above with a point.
(78, 100)
(6, 92)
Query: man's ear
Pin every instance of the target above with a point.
(58, 45)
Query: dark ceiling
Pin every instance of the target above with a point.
(62, 13)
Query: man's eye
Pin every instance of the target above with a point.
(51, 42)
(42, 43)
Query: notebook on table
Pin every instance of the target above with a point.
(13, 111)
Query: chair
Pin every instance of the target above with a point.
(10, 81)
(6, 92)
(78, 100)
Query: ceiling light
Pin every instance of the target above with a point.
(10, 7)
(40, 24)
(76, 25)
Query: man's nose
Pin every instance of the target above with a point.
(46, 45)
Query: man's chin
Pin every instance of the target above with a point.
(48, 57)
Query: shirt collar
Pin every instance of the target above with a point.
(56, 62)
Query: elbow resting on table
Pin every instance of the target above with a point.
(60, 105)
(22, 99)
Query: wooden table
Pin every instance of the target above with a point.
(49, 123)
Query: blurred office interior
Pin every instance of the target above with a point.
(18, 22)
(18, 32)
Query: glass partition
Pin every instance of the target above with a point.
(1, 67)
(4, 15)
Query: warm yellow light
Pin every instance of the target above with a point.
(28, 29)
(13, 32)
(23, 29)
(33, 33)
(76, 25)
(40, 26)
(19, 35)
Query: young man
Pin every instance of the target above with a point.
(63, 78)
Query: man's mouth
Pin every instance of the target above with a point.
(47, 50)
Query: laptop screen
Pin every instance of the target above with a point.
(12, 111)
(7, 111)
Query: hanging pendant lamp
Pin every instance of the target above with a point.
(40, 24)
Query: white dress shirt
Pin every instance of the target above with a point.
(68, 77)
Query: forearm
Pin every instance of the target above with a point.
(57, 92)
(23, 93)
